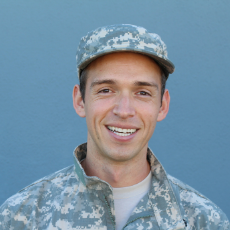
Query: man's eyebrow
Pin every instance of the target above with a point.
(145, 83)
(113, 82)
(106, 81)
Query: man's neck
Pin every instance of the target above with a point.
(117, 174)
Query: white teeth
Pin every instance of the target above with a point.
(121, 132)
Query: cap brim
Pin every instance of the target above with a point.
(166, 64)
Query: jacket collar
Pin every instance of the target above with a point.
(90, 182)
(161, 196)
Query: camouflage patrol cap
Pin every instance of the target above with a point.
(122, 37)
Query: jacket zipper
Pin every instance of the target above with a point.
(110, 213)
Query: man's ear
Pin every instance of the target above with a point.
(164, 106)
(78, 102)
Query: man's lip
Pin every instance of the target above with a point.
(122, 126)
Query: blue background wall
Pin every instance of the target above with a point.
(38, 126)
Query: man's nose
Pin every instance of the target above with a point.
(124, 107)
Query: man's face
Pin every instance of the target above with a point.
(122, 105)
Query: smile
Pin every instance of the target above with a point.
(120, 131)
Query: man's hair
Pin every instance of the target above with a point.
(83, 80)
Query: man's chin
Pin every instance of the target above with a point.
(121, 154)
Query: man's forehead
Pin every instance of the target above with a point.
(122, 58)
(120, 67)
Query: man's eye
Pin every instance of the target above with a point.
(105, 91)
(143, 93)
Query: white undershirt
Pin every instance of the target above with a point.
(127, 198)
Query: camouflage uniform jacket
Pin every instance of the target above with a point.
(69, 200)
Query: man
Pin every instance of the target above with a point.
(116, 182)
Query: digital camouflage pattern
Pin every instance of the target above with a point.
(70, 200)
(122, 37)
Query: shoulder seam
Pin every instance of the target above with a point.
(197, 193)
(41, 181)
(189, 189)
